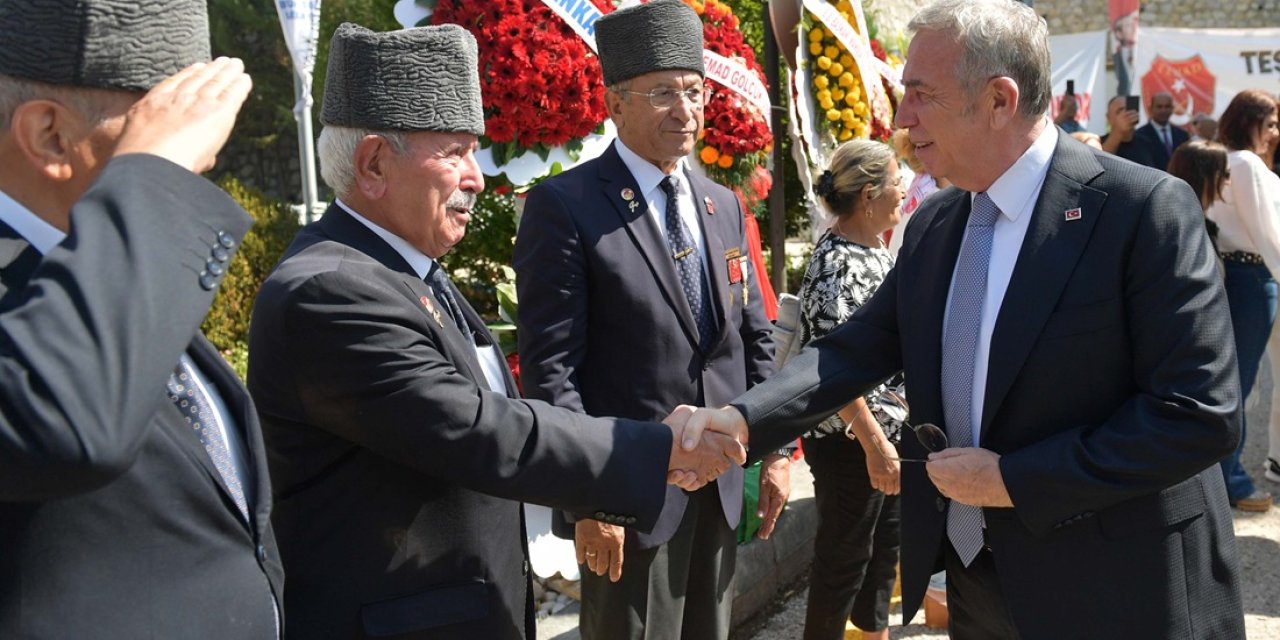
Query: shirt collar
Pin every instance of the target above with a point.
(646, 174)
(1013, 190)
(42, 235)
(418, 261)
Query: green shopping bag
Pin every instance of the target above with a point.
(750, 522)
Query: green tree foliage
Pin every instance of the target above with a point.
(274, 225)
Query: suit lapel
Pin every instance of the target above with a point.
(616, 179)
(1052, 247)
(718, 269)
(926, 295)
(18, 260)
(211, 364)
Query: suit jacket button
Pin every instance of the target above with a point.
(942, 505)
(220, 254)
(214, 267)
(262, 553)
(208, 281)
(226, 240)
(600, 515)
(630, 520)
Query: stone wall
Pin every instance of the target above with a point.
(1074, 16)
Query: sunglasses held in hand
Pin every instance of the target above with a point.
(930, 436)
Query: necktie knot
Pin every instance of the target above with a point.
(985, 212)
(670, 186)
(444, 294)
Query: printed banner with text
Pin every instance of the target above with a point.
(1204, 68)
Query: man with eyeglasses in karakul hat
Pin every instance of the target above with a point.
(636, 295)
(134, 499)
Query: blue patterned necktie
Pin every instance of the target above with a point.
(444, 293)
(959, 352)
(688, 261)
(197, 408)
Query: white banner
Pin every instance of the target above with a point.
(1081, 58)
(581, 16)
(300, 20)
(1204, 68)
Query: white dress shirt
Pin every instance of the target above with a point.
(42, 235)
(1248, 215)
(491, 362)
(649, 178)
(1015, 192)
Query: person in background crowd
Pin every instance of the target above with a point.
(1067, 114)
(855, 478)
(1248, 219)
(1204, 126)
(134, 499)
(1121, 123)
(1203, 165)
(399, 448)
(1060, 314)
(1154, 142)
(636, 294)
(922, 185)
(1089, 139)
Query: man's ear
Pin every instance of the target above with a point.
(1002, 95)
(370, 164)
(613, 104)
(45, 134)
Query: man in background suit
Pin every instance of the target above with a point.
(1060, 314)
(611, 324)
(398, 448)
(115, 519)
(1154, 142)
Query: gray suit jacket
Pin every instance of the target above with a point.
(113, 520)
(399, 473)
(1112, 392)
(605, 327)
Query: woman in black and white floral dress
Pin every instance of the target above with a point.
(856, 481)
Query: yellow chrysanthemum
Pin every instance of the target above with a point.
(826, 103)
(835, 68)
(846, 79)
(815, 35)
(821, 81)
(815, 48)
(824, 63)
(831, 52)
(833, 115)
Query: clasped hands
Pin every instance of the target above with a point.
(701, 455)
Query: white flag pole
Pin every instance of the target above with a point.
(300, 20)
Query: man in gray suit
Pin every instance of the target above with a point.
(123, 512)
(636, 295)
(1060, 314)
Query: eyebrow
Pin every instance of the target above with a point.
(913, 83)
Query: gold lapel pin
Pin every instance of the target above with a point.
(711, 207)
(431, 309)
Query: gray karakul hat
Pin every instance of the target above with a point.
(420, 79)
(654, 36)
(105, 44)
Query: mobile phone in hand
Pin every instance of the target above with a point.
(1131, 103)
(1071, 87)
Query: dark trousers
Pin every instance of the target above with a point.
(679, 590)
(976, 608)
(855, 550)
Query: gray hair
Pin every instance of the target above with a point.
(94, 105)
(337, 152)
(997, 38)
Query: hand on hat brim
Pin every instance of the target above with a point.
(188, 117)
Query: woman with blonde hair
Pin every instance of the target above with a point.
(856, 478)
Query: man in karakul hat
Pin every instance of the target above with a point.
(399, 450)
(123, 512)
(636, 295)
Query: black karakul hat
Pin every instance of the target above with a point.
(654, 36)
(105, 44)
(420, 79)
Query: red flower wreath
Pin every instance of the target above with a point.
(540, 83)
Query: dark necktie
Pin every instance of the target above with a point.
(959, 353)
(444, 294)
(688, 261)
(197, 408)
(1168, 139)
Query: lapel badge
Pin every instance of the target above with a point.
(633, 205)
(711, 207)
(431, 309)
(1072, 215)
(628, 194)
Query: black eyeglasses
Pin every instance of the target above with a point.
(932, 438)
(666, 97)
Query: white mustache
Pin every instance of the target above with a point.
(461, 200)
